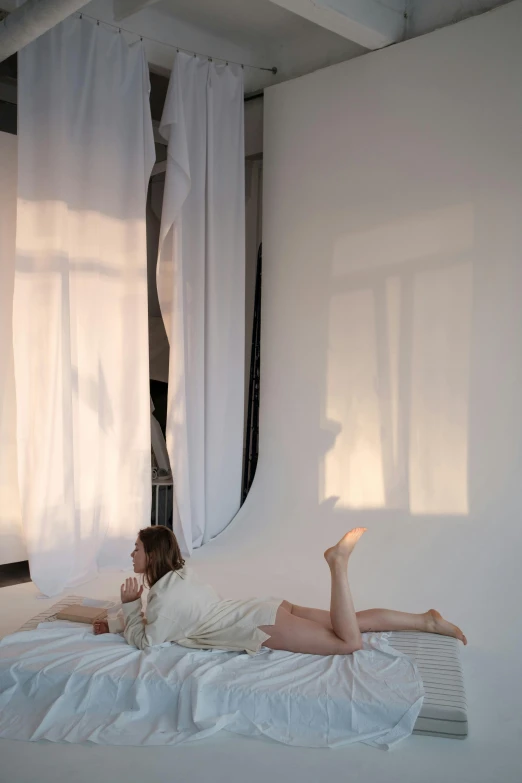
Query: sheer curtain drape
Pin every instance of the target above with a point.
(201, 287)
(12, 544)
(80, 304)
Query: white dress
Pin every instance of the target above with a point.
(182, 608)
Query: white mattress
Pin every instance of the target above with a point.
(444, 711)
(61, 683)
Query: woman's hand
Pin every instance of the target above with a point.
(130, 591)
(100, 626)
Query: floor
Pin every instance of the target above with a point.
(239, 562)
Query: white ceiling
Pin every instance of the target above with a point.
(258, 22)
(274, 36)
(261, 32)
(266, 23)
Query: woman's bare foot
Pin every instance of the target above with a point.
(100, 626)
(435, 623)
(344, 548)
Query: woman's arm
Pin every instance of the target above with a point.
(117, 623)
(143, 633)
(166, 620)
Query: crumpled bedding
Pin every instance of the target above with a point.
(59, 682)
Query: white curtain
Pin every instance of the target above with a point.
(12, 544)
(80, 306)
(201, 287)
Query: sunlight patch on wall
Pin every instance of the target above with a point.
(438, 448)
(438, 233)
(353, 468)
(397, 384)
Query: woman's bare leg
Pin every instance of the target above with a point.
(342, 612)
(348, 624)
(378, 620)
(298, 634)
(319, 616)
(318, 632)
(369, 619)
(390, 620)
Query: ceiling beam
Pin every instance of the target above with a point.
(31, 20)
(124, 8)
(370, 23)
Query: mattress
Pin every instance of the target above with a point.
(437, 658)
(444, 710)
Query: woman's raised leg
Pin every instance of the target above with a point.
(342, 612)
(298, 634)
(316, 631)
(340, 618)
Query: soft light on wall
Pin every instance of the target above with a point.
(398, 365)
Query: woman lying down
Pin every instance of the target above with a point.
(183, 609)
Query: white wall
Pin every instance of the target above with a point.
(12, 545)
(391, 356)
(392, 231)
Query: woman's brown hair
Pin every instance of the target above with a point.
(163, 552)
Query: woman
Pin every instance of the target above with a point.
(183, 609)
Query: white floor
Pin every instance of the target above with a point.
(242, 563)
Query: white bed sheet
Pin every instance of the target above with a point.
(59, 682)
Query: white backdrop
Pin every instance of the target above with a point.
(201, 288)
(391, 363)
(12, 544)
(80, 307)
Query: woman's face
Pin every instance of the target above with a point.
(139, 558)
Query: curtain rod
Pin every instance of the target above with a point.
(173, 46)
